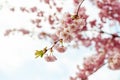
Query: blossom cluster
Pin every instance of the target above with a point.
(94, 62)
(74, 28)
(70, 28)
(109, 9)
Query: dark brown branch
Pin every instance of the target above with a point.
(103, 32)
(113, 35)
(79, 7)
(60, 40)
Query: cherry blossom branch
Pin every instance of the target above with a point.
(79, 6)
(113, 35)
(76, 15)
(51, 57)
(103, 32)
(91, 65)
(97, 69)
(60, 40)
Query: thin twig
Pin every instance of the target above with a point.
(55, 44)
(79, 7)
(103, 32)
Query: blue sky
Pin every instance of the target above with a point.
(17, 60)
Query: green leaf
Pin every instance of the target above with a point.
(39, 53)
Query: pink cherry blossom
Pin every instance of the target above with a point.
(73, 27)
(61, 49)
(50, 58)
